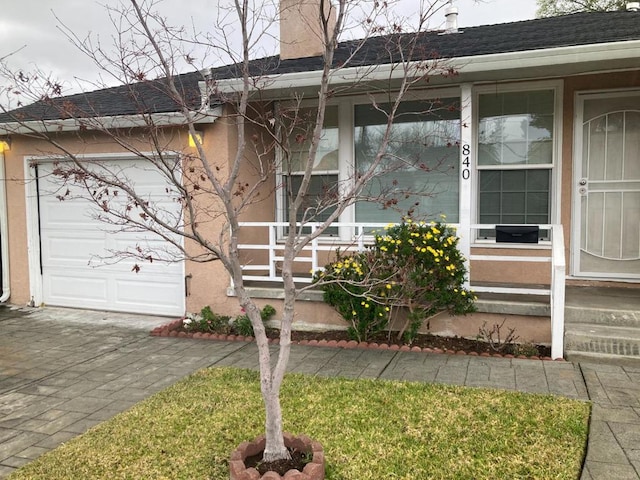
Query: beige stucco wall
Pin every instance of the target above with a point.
(18, 265)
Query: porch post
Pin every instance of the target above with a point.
(467, 172)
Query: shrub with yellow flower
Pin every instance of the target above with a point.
(414, 266)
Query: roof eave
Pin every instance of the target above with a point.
(563, 60)
(109, 122)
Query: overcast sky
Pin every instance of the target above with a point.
(31, 28)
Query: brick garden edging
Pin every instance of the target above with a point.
(314, 470)
(171, 330)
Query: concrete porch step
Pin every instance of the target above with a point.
(619, 307)
(591, 341)
(611, 316)
(513, 304)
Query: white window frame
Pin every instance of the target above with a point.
(556, 159)
(346, 147)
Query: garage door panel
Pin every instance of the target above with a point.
(67, 250)
(131, 293)
(79, 269)
(158, 247)
(71, 286)
(67, 214)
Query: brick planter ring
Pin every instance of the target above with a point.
(314, 470)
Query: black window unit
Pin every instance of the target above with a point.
(517, 234)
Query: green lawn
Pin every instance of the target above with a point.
(369, 430)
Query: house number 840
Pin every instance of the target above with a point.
(466, 163)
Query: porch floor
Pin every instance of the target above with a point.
(606, 298)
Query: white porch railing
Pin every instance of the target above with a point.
(556, 288)
(358, 235)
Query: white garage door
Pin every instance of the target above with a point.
(75, 246)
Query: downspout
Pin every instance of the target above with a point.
(4, 228)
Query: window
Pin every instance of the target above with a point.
(515, 157)
(316, 206)
(419, 172)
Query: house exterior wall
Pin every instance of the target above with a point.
(18, 242)
(208, 282)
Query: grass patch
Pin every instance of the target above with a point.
(369, 430)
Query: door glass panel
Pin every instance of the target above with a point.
(615, 146)
(631, 216)
(612, 226)
(632, 146)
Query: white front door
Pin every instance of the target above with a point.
(606, 234)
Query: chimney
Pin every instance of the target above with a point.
(633, 6)
(301, 28)
(451, 16)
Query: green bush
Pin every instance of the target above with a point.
(242, 325)
(345, 287)
(206, 322)
(412, 266)
(209, 322)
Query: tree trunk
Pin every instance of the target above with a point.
(269, 384)
(275, 448)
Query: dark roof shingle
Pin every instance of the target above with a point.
(545, 33)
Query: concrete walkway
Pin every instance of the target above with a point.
(63, 371)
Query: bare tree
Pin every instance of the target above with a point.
(552, 8)
(270, 134)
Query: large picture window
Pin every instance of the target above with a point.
(419, 171)
(515, 157)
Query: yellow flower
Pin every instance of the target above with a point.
(388, 285)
